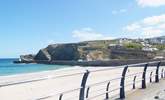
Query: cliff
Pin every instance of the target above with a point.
(86, 51)
(123, 53)
(58, 52)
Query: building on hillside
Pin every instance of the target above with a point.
(149, 49)
(144, 44)
(124, 40)
(162, 41)
(117, 46)
(158, 57)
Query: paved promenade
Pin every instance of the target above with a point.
(154, 91)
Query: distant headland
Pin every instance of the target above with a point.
(99, 52)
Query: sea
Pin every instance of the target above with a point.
(7, 67)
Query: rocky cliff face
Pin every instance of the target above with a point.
(27, 58)
(43, 54)
(131, 54)
(58, 52)
(88, 51)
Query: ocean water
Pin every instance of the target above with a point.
(7, 67)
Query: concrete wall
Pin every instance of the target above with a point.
(98, 63)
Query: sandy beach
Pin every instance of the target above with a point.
(53, 84)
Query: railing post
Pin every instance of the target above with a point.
(162, 73)
(87, 93)
(144, 77)
(134, 81)
(151, 77)
(83, 83)
(61, 95)
(107, 89)
(122, 83)
(157, 73)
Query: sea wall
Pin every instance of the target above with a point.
(98, 63)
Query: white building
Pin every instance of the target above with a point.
(159, 57)
(149, 49)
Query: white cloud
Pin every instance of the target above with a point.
(88, 34)
(148, 27)
(154, 20)
(151, 3)
(132, 27)
(162, 26)
(114, 12)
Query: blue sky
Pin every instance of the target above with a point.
(28, 25)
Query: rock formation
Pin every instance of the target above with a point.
(27, 58)
(58, 52)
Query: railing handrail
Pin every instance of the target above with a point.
(54, 94)
(94, 84)
(104, 93)
(131, 65)
(39, 79)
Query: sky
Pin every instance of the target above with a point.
(29, 25)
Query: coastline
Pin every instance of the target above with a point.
(106, 63)
(7, 67)
(40, 72)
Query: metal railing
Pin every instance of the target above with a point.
(85, 88)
